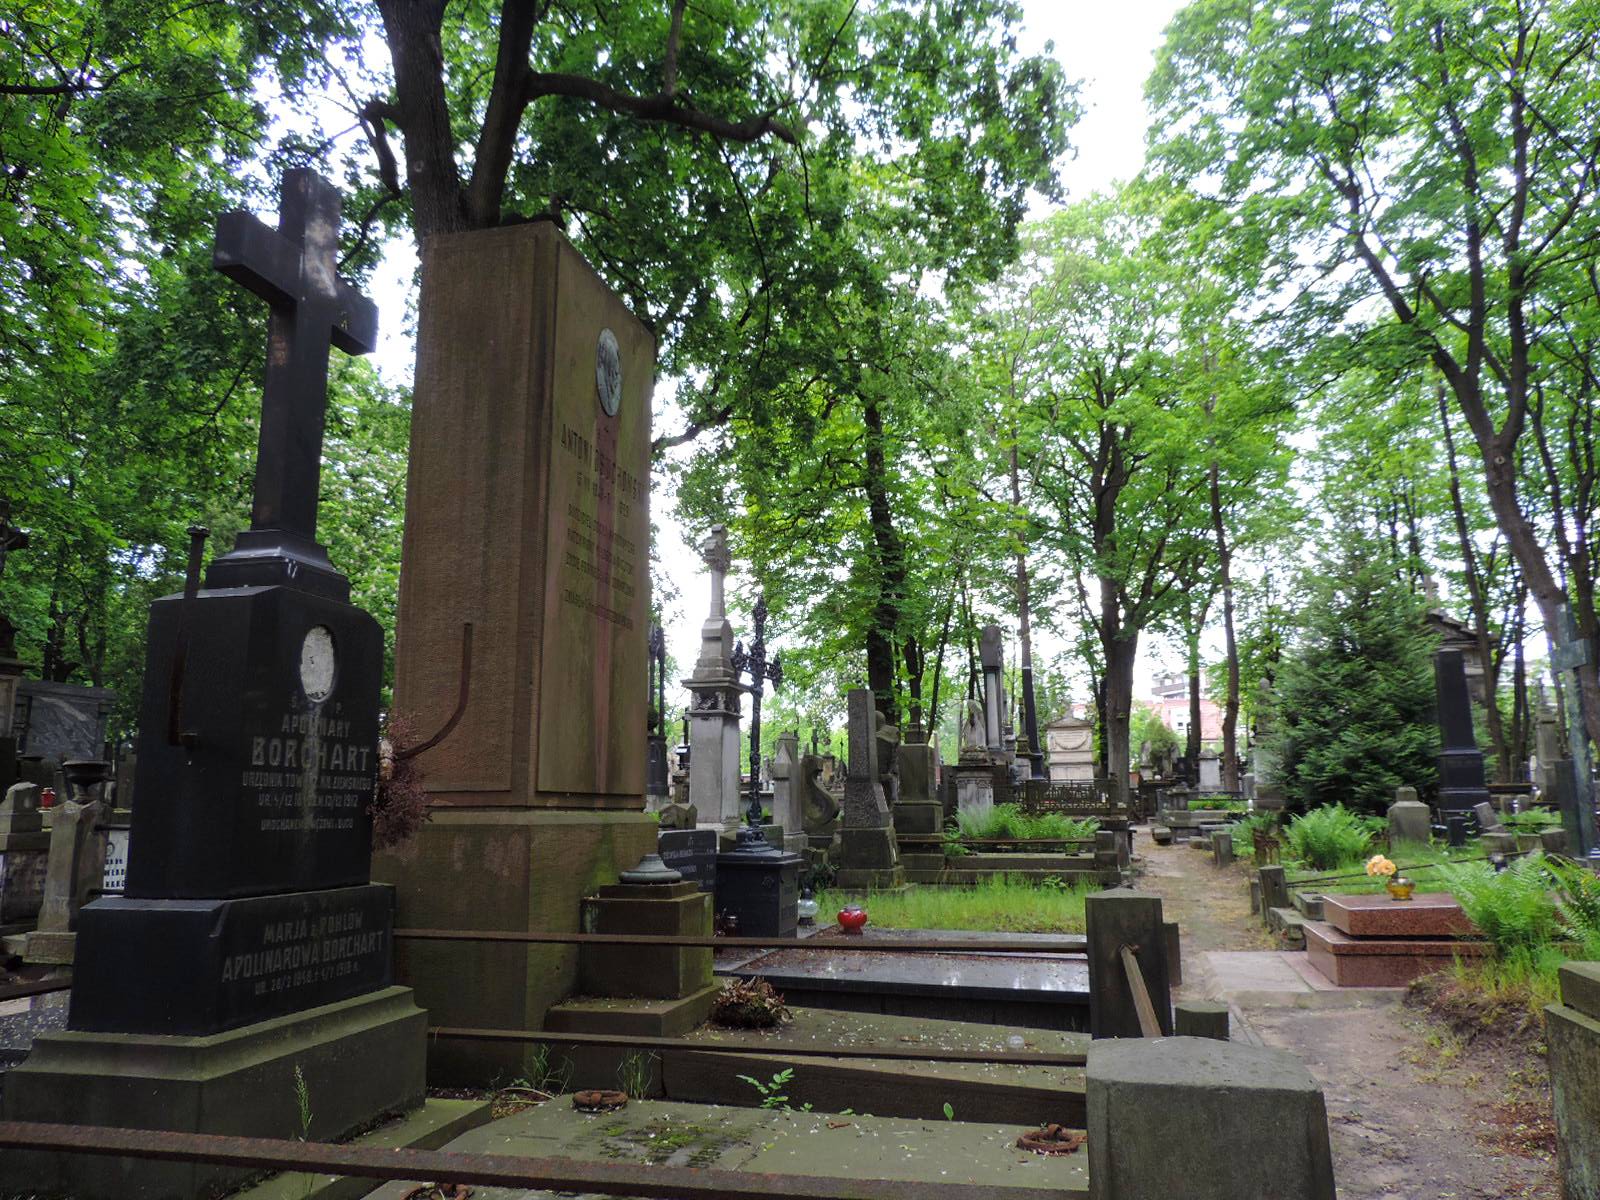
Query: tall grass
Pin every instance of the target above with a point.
(1330, 837)
(1009, 821)
(1005, 903)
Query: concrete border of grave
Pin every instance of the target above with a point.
(1254, 1122)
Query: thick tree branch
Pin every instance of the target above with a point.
(507, 100)
(663, 107)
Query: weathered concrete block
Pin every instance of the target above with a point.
(1222, 847)
(1572, 1033)
(1274, 889)
(1254, 1122)
(1409, 820)
(1169, 930)
(1113, 920)
(1553, 841)
(1200, 1018)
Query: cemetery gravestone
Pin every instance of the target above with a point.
(692, 853)
(714, 705)
(787, 806)
(24, 858)
(868, 855)
(1409, 818)
(248, 950)
(527, 519)
(991, 654)
(1461, 777)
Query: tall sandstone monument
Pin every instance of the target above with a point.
(527, 519)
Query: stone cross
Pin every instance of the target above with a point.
(294, 268)
(717, 559)
(1568, 652)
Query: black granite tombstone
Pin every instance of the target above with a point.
(1461, 777)
(247, 893)
(691, 852)
(760, 885)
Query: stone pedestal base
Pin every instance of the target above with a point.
(50, 949)
(918, 818)
(1572, 1031)
(975, 790)
(359, 1058)
(661, 972)
(514, 869)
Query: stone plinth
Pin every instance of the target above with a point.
(358, 1058)
(868, 853)
(661, 972)
(1254, 1122)
(523, 870)
(974, 789)
(1380, 962)
(1425, 915)
(1572, 1032)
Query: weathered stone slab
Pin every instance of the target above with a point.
(527, 515)
(1254, 1122)
(1573, 1041)
(1426, 914)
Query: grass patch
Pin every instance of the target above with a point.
(1009, 821)
(1005, 904)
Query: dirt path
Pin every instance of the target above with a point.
(1414, 1114)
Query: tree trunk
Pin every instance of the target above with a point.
(1230, 705)
(1120, 651)
(412, 28)
(890, 554)
(1477, 594)
(1030, 712)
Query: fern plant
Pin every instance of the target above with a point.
(1330, 837)
(1513, 908)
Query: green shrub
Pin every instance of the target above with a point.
(1577, 900)
(1330, 837)
(1533, 820)
(1513, 908)
(1244, 842)
(1218, 804)
(1009, 821)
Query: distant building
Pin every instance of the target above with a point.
(1069, 749)
(1171, 701)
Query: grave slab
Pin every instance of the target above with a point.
(1426, 914)
(1381, 962)
(780, 1143)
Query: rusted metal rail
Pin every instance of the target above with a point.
(929, 839)
(1065, 946)
(486, 1170)
(1149, 1024)
(1020, 1058)
(38, 987)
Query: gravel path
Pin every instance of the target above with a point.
(1414, 1114)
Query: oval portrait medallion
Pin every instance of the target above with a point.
(608, 372)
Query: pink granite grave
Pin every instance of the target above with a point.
(1381, 961)
(1426, 914)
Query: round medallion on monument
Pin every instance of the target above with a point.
(317, 661)
(608, 372)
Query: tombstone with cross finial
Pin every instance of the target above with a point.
(259, 723)
(247, 910)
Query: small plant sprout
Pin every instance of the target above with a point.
(949, 1111)
(773, 1093)
(635, 1073)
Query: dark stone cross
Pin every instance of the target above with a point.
(294, 268)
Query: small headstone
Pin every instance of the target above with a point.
(1488, 819)
(1222, 847)
(677, 815)
(19, 811)
(1409, 818)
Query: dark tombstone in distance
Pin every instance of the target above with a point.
(1461, 778)
(248, 932)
